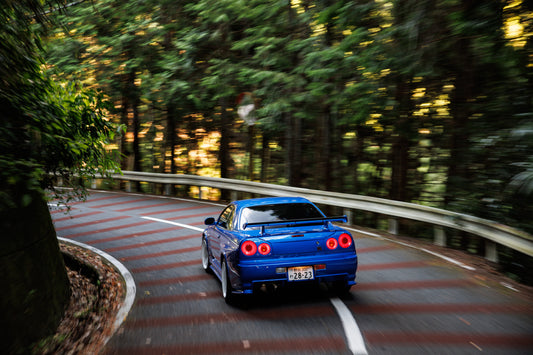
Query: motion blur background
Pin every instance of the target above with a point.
(421, 101)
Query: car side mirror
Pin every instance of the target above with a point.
(209, 221)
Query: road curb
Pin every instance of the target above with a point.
(126, 275)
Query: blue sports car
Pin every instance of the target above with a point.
(277, 240)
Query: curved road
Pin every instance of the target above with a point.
(406, 301)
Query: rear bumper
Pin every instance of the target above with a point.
(340, 267)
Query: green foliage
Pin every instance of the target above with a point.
(47, 128)
(412, 100)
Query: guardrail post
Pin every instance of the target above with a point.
(393, 226)
(234, 196)
(491, 251)
(439, 236)
(349, 215)
(93, 184)
(199, 192)
(128, 186)
(168, 187)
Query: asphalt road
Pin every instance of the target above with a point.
(406, 301)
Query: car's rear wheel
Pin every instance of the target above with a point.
(227, 289)
(205, 256)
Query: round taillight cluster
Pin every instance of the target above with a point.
(263, 248)
(249, 248)
(345, 241)
(332, 243)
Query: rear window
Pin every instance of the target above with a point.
(279, 212)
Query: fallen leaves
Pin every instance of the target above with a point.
(97, 293)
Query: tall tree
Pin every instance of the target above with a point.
(171, 74)
(48, 130)
(387, 98)
(112, 39)
(272, 44)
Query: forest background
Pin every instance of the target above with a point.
(421, 101)
(428, 101)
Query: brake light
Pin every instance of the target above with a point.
(331, 243)
(263, 248)
(248, 248)
(345, 240)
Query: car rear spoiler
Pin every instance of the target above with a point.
(296, 222)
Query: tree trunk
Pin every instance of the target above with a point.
(400, 160)
(265, 157)
(324, 151)
(136, 124)
(136, 129)
(130, 103)
(170, 144)
(223, 151)
(250, 148)
(460, 110)
(293, 142)
(401, 142)
(356, 157)
(123, 146)
(171, 137)
(32, 268)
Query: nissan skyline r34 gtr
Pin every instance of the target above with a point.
(277, 240)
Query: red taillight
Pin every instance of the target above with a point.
(331, 243)
(263, 249)
(345, 240)
(248, 248)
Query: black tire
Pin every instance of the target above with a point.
(206, 264)
(227, 289)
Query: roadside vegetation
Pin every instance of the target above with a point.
(421, 101)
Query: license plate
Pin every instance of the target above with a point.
(300, 273)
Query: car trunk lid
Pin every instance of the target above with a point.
(297, 243)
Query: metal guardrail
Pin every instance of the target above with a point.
(493, 232)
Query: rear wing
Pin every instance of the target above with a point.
(296, 222)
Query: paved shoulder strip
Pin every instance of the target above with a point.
(126, 275)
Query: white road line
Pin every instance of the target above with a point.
(356, 344)
(174, 223)
(354, 337)
(505, 284)
(453, 261)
